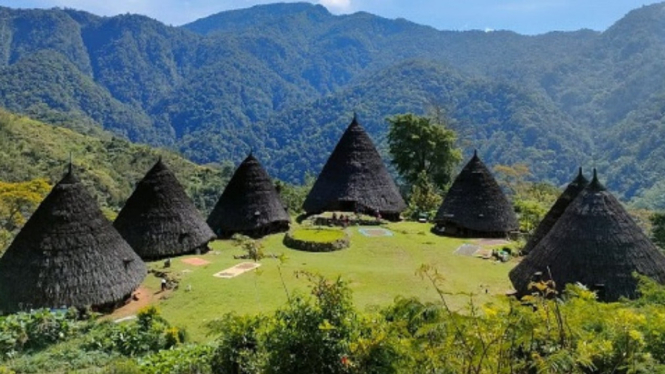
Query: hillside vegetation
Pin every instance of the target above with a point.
(284, 79)
(109, 166)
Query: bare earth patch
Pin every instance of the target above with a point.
(144, 297)
(237, 270)
(195, 261)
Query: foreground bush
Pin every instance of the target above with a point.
(324, 333)
(571, 334)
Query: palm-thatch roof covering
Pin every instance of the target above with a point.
(568, 195)
(596, 243)
(475, 205)
(68, 255)
(159, 219)
(250, 204)
(354, 179)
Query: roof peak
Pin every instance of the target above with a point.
(595, 184)
(580, 179)
(250, 157)
(69, 177)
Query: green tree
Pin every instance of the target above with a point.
(425, 197)
(658, 229)
(17, 202)
(419, 144)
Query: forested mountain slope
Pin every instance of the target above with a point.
(284, 79)
(109, 166)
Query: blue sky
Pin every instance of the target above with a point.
(523, 16)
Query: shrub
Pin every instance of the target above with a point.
(149, 333)
(34, 330)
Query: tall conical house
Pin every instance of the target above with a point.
(475, 205)
(250, 204)
(159, 219)
(354, 179)
(568, 195)
(596, 243)
(68, 255)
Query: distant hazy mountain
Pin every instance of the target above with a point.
(284, 79)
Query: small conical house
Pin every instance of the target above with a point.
(475, 205)
(354, 179)
(596, 243)
(250, 204)
(568, 195)
(159, 219)
(68, 255)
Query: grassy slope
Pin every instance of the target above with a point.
(109, 166)
(377, 268)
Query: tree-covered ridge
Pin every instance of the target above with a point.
(241, 80)
(110, 166)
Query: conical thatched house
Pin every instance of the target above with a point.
(159, 220)
(596, 243)
(354, 179)
(568, 195)
(68, 255)
(250, 204)
(475, 206)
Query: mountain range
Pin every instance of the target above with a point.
(284, 81)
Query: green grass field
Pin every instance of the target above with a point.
(378, 269)
(322, 235)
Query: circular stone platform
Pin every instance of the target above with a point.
(317, 240)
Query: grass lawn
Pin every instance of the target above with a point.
(322, 235)
(378, 269)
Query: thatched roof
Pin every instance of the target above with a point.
(355, 175)
(476, 202)
(568, 195)
(250, 204)
(68, 254)
(596, 243)
(159, 219)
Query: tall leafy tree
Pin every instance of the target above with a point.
(658, 229)
(419, 144)
(425, 197)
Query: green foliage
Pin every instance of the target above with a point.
(292, 73)
(17, 202)
(318, 235)
(419, 145)
(658, 229)
(325, 333)
(110, 166)
(531, 200)
(253, 248)
(312, 337)
(238, 347)
(293, 196)
(425, 198)
(150, 333)
(530, 213)
(36, 330)
(186, 359)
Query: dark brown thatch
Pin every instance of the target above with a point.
(68, 255)
(159, 219)
(354, 179)
(475, 206)
(568, 195)
(596, 243)
(250, 204)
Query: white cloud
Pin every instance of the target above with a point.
(336, 5)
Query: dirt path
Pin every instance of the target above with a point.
(145, 297)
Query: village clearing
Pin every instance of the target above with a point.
(377, 268)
